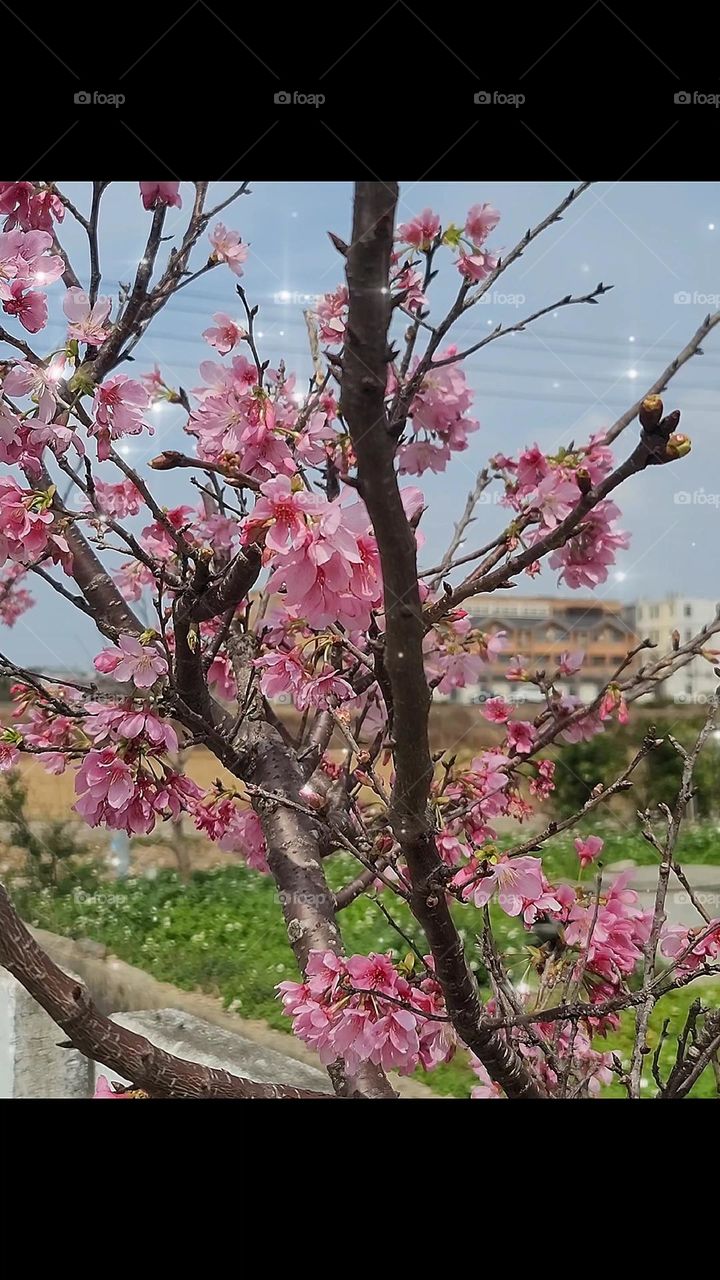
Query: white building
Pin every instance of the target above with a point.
(656, 620)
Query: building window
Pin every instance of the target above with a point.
(688, 634)
(654, 611)
(687, 611)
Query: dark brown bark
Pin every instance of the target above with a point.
(294, 843)
(363, 405)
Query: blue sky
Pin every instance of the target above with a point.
(570, 374)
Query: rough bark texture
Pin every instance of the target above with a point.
(67, 1001)
(363, 405)
(294, 843)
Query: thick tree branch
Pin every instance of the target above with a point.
(67, 1001)
(363, 407)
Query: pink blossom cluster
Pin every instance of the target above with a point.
(613, 933)
(439, 418)
(324, 554)
(286, 672)
(549, 488)
(691, 948)
(25, 263)
(15, 600)
(30, 207)
(116, 789)
(455, 652)
(118, 407)
(26, 524)
(362, 1009)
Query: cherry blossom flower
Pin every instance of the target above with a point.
(228, 247)
(588, 849)
(283, 508)
(570, 662)
(103, 1089)
(118, 406)
(29, 307)
(156, 194)
(87, 323)
(497, 710)
(476, 266)
(225, 335)
(420, 231)
(487, 1087)
(517, 881)
(481, 220)
(332, 315)
(9, 756)
(132, 661)
(521, 735)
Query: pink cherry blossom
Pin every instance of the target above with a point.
(228, 247)
(496, 710)
(521, 735)
(570, 662)
(118, 406)
(87, 323)
(103, 1089)
(517, 881)
(284, 510)
(29, 307)
(132, 661)
(420, 231)
(156, 194)
(481, 220)
(9, 756)
(588, 849)
(476, 266)
(554, 498)
(225, 335)
(332, 315)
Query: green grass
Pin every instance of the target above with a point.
(223, 933)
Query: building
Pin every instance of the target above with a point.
(540, 628)
(657, 620)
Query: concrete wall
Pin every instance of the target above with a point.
(188, 1024)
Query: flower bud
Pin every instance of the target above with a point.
(678, 446)
(651, 411)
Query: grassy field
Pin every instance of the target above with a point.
(223, 933)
